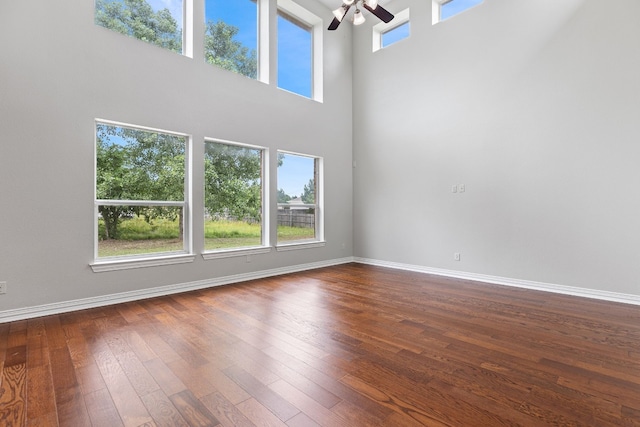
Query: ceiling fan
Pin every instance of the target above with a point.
(371, 5)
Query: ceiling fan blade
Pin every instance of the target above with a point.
(382, 13)
(334, 24)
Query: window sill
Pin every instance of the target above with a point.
(237, 252)
(129, 263)
(300, 245)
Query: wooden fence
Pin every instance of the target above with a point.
(296, 218)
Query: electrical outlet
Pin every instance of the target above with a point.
(461, 188)
(456, 256)
(3, 287)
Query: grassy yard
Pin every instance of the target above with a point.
(138, 236)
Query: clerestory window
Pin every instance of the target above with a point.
(299, 50)
(237, 36)
(445, 9)
(158, 23)
(386, 34)
(231, 35)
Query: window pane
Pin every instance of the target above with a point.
(295, 49)
(139, 230)
(233, 196)
(395, 34)
(144, 166)
(135, 164)
(453, 7)
(231, 37)
(158, 22)
(296, 191)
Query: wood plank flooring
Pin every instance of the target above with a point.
(351, 345)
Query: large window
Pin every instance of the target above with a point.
(152, 21)
(140, 191)
(233, 197)
(231, 37)
(445, 9)
(299, 198)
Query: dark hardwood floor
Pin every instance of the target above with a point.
(351, 345)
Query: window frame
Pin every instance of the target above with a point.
(318, 207)
(264, 246)
(295, 12)
(110, 263)
(401, 18)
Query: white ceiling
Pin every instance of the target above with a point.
(331, 4)
(334, 4)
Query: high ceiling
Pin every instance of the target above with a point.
(331, 4)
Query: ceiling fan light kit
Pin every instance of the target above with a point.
(340, 12)
(358, 18)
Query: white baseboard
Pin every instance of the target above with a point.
(81, 304)
(497, 280)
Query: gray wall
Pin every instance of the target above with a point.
(59, 72)
(535, 107)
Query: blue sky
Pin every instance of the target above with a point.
(398, 33)
(174, 6)
(295, 173)
(242, 14)
(456, 6)
(294, 58)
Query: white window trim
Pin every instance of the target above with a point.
(315, 23)
(187, 28)
(436, 7)
(115, 264)
(146, 260)
(235, 252)
(264, 246)
(264, 43)
(400, 18)
(319, 240)
(302, 244)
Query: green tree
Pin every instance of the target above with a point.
(309, 192)
(222, 50)
(136, 18)
(133, 164)
(282, 196)
(111, 182)
(233, 181)
(156, 164)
